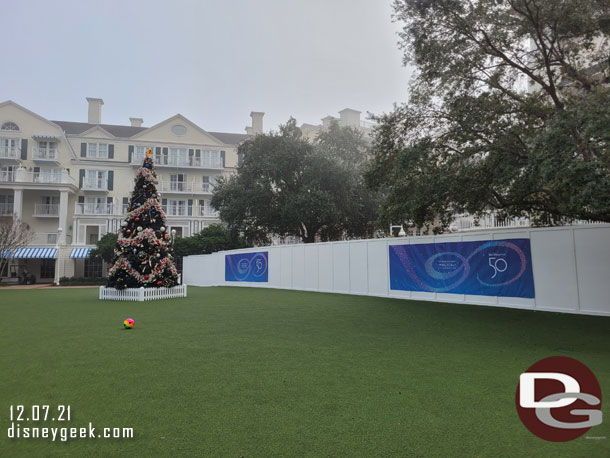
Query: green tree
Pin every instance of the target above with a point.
(289, 186)
(215, 237)
(104, 249)
(347, 147)
(346, 144)
(508, 110)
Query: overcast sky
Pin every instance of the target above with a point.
(213, 61)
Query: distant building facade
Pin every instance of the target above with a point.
(347, 118)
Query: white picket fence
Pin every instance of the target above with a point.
(141, 294)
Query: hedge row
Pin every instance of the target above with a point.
(78, 281)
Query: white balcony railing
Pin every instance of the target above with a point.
(53, 176)
(93, 209)
(178, 186)
(10, 153)
(192, 187)
(214, 163)
(492, 221)
(95, 186)
(213, 213)
(189, 210)
(46, 210)
(6, 209)
(177, 211)
(44, 154)
(175, 161)
(7, 176)
(45, 238)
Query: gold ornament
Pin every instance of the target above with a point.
(148, 153)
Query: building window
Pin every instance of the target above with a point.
(211, 159)
(93, 268)
(208, 183)
(9, 147)
(47, 150)
(161, 156)
(96, 179)
(10, 126)
(7, 173)
(140, 153)
(177, 156)
(177, 182)
(97, 150)
(195, 158)
(96, 206)
(48, 175)
(48, 206)
(47, 268)
(6, 204)
(177, 208)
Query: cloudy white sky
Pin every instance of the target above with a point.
(214, 61)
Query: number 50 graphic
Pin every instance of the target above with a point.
(503, 265)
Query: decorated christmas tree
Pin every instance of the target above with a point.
(144, 254)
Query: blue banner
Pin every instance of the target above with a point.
(251, 267)
(485, 268)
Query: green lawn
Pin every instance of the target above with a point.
(232, 372)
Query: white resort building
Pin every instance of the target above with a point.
(71, 181)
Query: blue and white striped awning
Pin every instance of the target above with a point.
(79, 253)
(45, 137)
(5, 254)
(37, 253)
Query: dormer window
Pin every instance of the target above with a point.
(10, 126)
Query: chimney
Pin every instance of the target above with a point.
(95, 110)
(257, 123)
(327, 120)
(136, 122)
(350, 118)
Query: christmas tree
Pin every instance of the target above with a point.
(144, 254)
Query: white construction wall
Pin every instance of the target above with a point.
(571, 268)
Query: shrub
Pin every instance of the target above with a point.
(82, 281)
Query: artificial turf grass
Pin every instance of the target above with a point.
(263, 373)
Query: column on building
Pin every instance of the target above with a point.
(63, 217)
(18, 203)
(62, 251)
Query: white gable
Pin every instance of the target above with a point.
(177, 129)
(29, 122)
(97, 132)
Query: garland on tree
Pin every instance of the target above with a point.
(143, 255)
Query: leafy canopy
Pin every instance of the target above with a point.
(215, 237)
(289, 186)
(508, 110)
(104, 249)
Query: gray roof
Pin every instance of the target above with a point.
(76, 128)
(230, 139)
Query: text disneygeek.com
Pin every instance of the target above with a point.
(61, 413)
